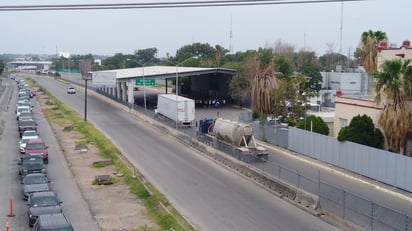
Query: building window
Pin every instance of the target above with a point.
(352, 82)
(343, 122)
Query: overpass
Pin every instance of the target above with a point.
(29, 65)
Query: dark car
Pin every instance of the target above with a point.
(37, 147)
(55, 221)
(26, 125)
(31, 164)
(35, 182)
(42, 203)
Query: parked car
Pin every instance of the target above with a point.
(25, 116)
(57, 221)
(71, 90)
(39, 148)
(23, 103)
(26, 125)
(42, 203)
(27, 135)
(31, 164)
(21, 109)
(35, 182)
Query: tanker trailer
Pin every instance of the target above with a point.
(241, 137)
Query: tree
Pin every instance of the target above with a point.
(1, 66)
(264, 82)
(369, 52)
(329, 61)
(394, 83)
(289, 99)
(361, 130)
(117, 61)
(205, 52)
(369, 44)
(145, 56)
(240, 83)
(315, 124)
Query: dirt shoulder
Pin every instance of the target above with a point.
(113, 206)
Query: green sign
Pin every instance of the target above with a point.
(146, 82)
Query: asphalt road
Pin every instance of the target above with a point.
(211, 197)
(62, 182)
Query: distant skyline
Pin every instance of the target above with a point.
(315, 27)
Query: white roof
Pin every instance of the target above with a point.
(163, 71)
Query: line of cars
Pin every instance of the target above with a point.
(44, 208)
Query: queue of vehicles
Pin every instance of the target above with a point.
(44, 209)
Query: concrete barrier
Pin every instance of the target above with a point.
(307, 199)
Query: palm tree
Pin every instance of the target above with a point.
(369, 53)
(264, 82)
(394, 83)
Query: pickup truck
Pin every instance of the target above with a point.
(31, 164)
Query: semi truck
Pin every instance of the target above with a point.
(238, 135)
(177, 108)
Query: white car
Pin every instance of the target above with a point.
(71, 90)
(21, 109)
(27, 135)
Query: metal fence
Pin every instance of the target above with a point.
(377, 164)
(340, 203)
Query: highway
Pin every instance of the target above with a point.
(211, 197)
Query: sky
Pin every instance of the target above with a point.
(315, 27)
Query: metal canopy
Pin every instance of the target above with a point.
(164, 72)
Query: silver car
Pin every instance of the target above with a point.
(35, 182)
(27, 135)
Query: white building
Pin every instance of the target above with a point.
(350, 83)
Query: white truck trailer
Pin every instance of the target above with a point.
(177, 108)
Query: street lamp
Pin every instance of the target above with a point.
(177, 85)
(144, 88)
(86, 78)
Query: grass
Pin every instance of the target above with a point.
(158, 207)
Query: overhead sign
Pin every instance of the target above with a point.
(104, 79)
(146, 82)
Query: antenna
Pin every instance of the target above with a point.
(341, 26)
(304, 41)
(230, 36)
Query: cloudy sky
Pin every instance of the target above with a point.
(106, 32)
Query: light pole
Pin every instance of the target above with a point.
(85, 99)
(144, 88)
(86, 78)
(304, 115)
(177, 86)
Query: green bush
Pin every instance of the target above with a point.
(315, 123)
(361, 130)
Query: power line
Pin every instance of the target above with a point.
(152, 5)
